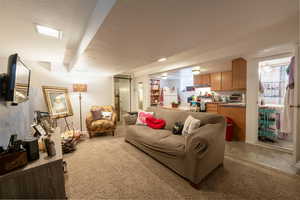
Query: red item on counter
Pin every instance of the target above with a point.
(155, 123)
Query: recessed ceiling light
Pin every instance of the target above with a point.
(164, 76)
(162, 59)
(44, 30)
(196, 70)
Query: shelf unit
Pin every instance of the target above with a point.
(267, 120)
(154, 92)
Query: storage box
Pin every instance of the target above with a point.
(11, 161)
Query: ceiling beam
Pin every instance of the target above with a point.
(98, 16)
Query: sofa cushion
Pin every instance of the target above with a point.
(158, 139)
(142, 116)
(102, 124)
(190, 125)
(173, 116)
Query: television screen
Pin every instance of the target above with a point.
(18, 80)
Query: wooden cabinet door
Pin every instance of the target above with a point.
(215, 81)
(205, 79)
(196, 79)
(212, 107)
(239, 74)
(202, 79)
(226, 81)
(238, 115)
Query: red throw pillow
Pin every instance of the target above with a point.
(155, 123)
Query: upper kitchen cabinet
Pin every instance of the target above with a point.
(202, 79)
(197, 79)
(226, 83)
(239, 74)
(205, 79)
(216, 81)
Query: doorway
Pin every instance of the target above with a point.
(140, 96)
(274, 119)
(122, 93)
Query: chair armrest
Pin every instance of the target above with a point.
(89, 119)
(202, 139)
(114, 117)
(129, 119)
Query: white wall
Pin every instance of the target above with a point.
(252, 99)
(146, 87)
(170, 83)
(17, 119)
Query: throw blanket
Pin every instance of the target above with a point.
(155, 123)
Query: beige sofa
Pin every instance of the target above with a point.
(193, 156)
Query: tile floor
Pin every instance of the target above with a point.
(278, 160)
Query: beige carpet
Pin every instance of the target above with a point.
(106, 167)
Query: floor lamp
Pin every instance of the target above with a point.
(80, 88)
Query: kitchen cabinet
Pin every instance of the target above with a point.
(196, 79)
(238, 115)
(226, 80)
(212, 107)
(202, 79)
(239, 74)
(215, 81)
(205, 78)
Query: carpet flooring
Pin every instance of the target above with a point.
(106, 167)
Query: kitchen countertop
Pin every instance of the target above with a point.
(241, 105)
(178, 108)
(187, 108)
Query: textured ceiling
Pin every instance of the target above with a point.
(18, 34)
(138, 32)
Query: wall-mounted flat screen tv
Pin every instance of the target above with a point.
(18, 80)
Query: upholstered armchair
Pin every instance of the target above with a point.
(101, 125)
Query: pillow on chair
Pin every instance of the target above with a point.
(106, 115)
(97, 114)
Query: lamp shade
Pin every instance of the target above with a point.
(78, 87)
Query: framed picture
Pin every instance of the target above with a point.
(58, 101)
(39, 130)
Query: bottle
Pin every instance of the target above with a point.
(50, 146)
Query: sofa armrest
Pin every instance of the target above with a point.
(202, 139)
(129, 119)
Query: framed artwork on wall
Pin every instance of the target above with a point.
(58, 101)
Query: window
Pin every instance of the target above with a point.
(274, 79)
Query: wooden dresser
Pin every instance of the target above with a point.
(40, 179)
